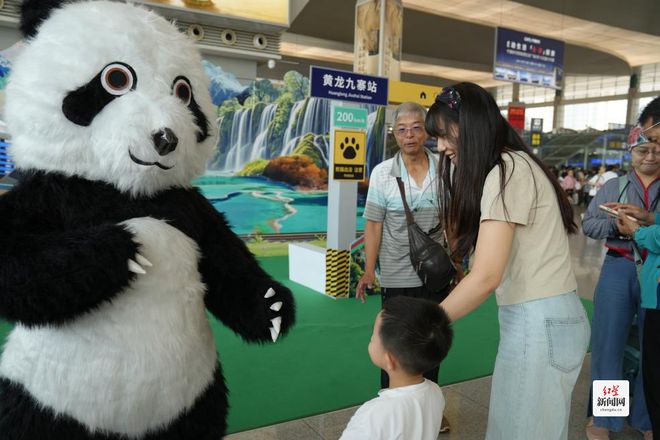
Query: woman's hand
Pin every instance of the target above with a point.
(625, 225)
(644, 217)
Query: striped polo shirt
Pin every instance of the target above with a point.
(384, 205)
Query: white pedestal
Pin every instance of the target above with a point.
(307, 265)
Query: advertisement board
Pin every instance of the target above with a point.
(528, 59)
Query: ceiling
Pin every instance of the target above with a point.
(445, 41)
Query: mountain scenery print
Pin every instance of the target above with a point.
(269, 173)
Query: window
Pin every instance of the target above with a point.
(642, 102)
(592, 86)
(650, 78)
(536, 95)
(598, 115)
(503, 96)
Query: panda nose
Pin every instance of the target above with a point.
(165, 141)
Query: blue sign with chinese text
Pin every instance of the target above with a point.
(528, 59)
(347, 86)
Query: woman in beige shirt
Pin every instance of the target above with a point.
(504, 206)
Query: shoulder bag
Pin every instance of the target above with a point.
(429, 259)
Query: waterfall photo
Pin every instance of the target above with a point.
(269, 174)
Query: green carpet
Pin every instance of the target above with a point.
(323, 365)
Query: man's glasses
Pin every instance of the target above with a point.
(450, 97)
(415, 130)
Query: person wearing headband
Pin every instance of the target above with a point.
(617, 293)
(506, 210)
(644, 146)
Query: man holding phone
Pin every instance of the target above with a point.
(617, 294)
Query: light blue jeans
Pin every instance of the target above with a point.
(542, 346)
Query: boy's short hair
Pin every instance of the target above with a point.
(417, 332)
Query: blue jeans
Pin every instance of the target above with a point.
(542, 347)
(616, 301)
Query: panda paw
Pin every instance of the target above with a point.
(137, 265)
(276, 321)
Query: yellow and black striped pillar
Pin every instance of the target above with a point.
(336, 272)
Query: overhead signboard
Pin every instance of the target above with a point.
(341, 85)
(528, 59)
(422, 94)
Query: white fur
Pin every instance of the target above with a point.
(72, 47)
(137, 362)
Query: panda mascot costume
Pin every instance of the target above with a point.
(109, 258)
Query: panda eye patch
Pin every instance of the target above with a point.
(117, 79)
(182, 90)
(81, 105)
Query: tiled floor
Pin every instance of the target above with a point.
(467, 402)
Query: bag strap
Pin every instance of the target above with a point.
(623, 198)
(623, 184)
(409, 217)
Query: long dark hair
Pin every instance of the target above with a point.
(483, 136)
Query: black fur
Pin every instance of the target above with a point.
(34, 12)
(200, 120)
(22, 417)
(51, 270)
(62, 253)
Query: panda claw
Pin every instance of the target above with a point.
(273, 334)
(277, 323)
(135, 268)
(142, 261)
(276, 306)
(270, 293)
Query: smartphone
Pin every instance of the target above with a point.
(613, 213)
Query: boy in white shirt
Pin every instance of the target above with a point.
(410, 336)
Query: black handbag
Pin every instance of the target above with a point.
(429, 259)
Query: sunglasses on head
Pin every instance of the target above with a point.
(450, 97)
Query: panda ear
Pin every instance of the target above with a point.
(34, 12)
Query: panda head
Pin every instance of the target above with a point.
(111, 92)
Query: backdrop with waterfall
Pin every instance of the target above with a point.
(269, 173)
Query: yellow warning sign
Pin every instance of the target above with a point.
(349, 155)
